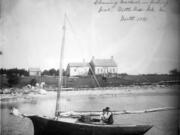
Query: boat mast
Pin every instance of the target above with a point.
(57, 111)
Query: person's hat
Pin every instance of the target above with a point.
(107, 108)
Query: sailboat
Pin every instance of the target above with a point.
(59, 126)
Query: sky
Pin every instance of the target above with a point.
(31, 35)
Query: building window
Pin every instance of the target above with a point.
(113, 70)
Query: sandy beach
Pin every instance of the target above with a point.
(42, 93)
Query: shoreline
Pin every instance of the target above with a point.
(128, 90)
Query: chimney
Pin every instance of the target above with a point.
(112, 57)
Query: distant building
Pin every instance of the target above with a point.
(77, 69)
(104, 66)
(34, 71)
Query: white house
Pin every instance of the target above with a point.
(104, 66)
(77, 69)
(34, 71)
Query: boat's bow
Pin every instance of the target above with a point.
(50, 126)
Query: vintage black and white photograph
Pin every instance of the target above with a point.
(89, 67)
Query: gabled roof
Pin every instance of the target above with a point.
(79, 64)
(104, 63)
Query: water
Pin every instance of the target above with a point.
(165, 122)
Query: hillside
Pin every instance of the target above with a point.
(89, 82)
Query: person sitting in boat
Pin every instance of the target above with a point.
(107, 116)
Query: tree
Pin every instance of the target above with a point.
(23, 72)
(13, 79)
(174, 72)
(3, 71)
(45, 72)
(19, 72)
(63, 72)
(52, 72)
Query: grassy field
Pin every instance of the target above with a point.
(89, 82)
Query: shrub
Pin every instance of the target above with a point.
(33, 82)
(13, 79)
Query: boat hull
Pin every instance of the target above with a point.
(45, 126)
